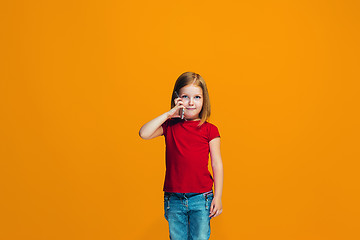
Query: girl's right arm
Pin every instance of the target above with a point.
(153, 128)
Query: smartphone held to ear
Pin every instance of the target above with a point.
(182, 111)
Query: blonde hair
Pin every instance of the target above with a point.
(188, 78)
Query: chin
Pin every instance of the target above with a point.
(191, 117)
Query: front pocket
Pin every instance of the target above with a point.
(208, 200)
(167, 201)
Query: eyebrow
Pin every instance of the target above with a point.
(189, 94)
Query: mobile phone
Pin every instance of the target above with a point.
(182, 110)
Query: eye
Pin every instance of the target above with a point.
(198, 97)
(184, 96)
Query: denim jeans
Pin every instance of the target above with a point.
(188, 215)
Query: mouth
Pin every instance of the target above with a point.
(190, 108)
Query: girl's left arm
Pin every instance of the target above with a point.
(217, 167)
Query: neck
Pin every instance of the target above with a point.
(194, 119)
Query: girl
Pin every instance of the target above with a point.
(189, 202)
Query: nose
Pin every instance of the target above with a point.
(191, 101)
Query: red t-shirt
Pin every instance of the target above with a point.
(187, 155)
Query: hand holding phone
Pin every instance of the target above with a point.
(182, 111)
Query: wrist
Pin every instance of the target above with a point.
(168, 115)
(217, 197)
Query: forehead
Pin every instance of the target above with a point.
(191, 89)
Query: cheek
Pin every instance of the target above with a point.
(185, 100)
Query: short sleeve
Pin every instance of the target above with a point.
(165, 126)
(213, 132)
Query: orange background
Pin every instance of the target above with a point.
(79, 78)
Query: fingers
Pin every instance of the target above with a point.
(218, 212)
(214, 211)
(179, 103)
(212, 214)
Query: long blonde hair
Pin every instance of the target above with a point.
(188, 78)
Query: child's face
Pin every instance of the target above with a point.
(192, 97)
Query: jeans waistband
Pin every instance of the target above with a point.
(186, 195)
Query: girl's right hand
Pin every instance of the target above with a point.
(175, 111)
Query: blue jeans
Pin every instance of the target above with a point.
(188, 215)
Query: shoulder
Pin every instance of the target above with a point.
(212, 131)
(171, 121)
(210, 125)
